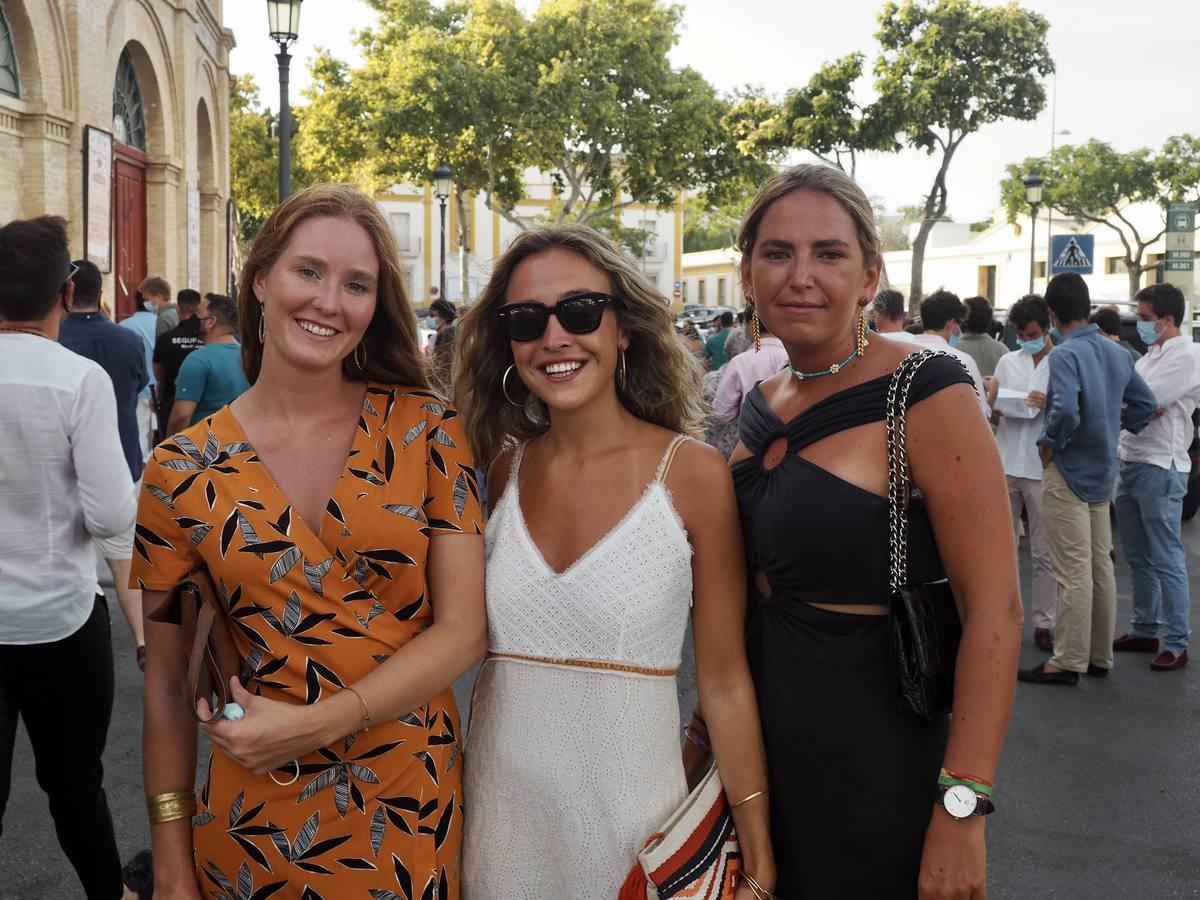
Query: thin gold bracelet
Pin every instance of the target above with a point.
(747, 799)
(171, 806)
(366, 713)
(759, 892)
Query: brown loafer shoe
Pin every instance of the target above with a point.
(1168, 661)
(1131, 644)
(1044, 638)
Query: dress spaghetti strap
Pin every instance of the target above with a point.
(669, 457)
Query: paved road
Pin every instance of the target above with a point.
(1097, 791)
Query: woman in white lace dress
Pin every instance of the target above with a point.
(608, 528)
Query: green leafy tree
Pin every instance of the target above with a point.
(947, 68)
(1092, 182)
(1179, 168)
(583, 91)
(253, 157)
(824, 118)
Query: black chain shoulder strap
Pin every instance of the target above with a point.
(899, 473)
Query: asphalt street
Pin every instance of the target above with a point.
(1096, 794)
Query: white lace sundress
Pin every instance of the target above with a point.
(573, 754)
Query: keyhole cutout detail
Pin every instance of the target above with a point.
(762, 585)
(775, 453)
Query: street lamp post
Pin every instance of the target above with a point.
(283, 18)
(442, 176)
(1033, 194)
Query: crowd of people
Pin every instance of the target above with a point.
(563, 520)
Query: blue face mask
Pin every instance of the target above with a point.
(954, 339)
(1033, 348)
(1147, 333)
(431, 322)
(1056, 335)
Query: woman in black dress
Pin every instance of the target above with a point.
(856, 809)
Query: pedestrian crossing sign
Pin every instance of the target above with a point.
(1072, 253)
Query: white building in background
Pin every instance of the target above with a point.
(415, 214)
(710, 278)
(994, 263)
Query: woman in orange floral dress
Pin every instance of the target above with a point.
(335, 506)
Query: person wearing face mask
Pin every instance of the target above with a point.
(210, 376)
(1023, 376)
(1154, 474)
(941, 316)
(441, 319)
(152, 293)
(1093, 393)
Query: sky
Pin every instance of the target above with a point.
(1127, 74)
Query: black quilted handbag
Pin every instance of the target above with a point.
(924, 629)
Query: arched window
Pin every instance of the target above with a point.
(129, 119)
(9, 82)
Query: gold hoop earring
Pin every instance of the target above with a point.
(861, 341)
(621, 371)
(504, 387)
(262, 323)
(756, 329)
(362, 364)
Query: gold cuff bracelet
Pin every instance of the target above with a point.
(171, 806)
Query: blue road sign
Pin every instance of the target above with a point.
(1072, 253)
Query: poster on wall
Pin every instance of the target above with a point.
(97, 197)
(193, 236)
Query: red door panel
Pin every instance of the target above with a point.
(129, 227)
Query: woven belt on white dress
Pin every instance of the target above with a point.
(600, 664)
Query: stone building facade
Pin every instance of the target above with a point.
(153, 74)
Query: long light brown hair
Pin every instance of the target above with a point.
(662, 378)
(393, 355)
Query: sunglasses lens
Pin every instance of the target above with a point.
(525, 324)
(581, 316)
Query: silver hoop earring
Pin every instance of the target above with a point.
(295, 777)
(504, 388)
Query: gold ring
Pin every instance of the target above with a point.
(295, 777)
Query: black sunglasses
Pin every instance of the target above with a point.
(71, 273)
(578, 314)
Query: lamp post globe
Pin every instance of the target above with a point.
(1033, 195)
(442, 177)
(283, 22)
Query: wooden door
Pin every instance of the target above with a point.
(129, 227)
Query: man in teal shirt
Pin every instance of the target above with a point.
(714, 347)
(211, 376)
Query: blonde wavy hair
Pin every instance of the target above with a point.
(662, 378)
(393, 354)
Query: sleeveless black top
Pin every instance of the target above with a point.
(817, 537)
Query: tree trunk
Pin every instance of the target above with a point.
(1133, 269)
(464, 241)
(917, 287)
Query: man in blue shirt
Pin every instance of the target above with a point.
(88, 332)
(211, 376)
(714, 347)
(1093, 393)
(119, 352)
(152, 293)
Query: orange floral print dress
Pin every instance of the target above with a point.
(379, 814)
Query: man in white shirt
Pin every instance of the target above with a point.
(889, 315)
(941, 317)
(1154, 475)
(64, 482)
(1017, 395)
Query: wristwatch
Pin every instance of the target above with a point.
(962, 802)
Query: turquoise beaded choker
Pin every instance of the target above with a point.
(832, 370)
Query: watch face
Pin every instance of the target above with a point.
(959, 800)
